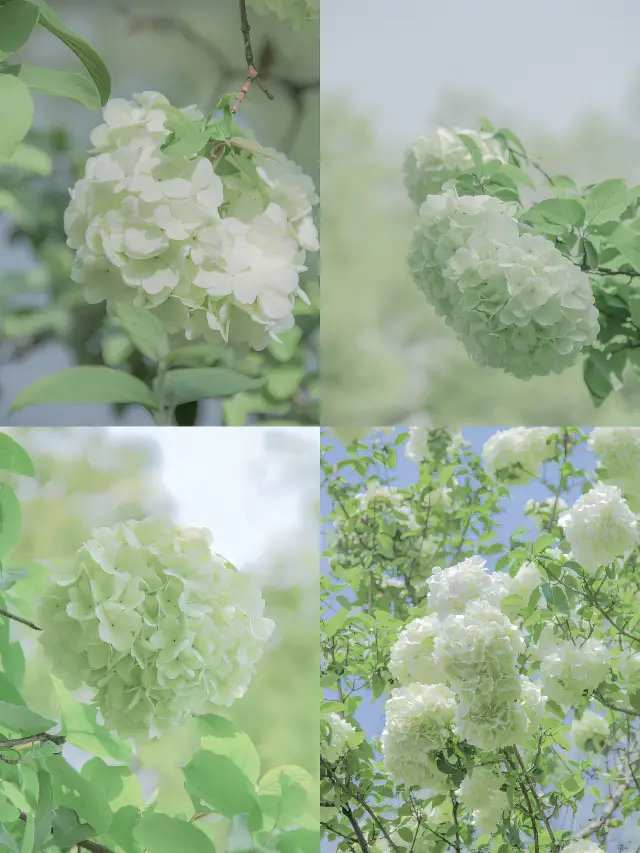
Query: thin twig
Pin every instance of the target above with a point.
(19, 619)
(252, 75)
(248, 49)
(534, 794)
(616, 798)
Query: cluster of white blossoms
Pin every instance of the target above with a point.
(339, 738)
(211, 255)
(568, 671)
(158, 626)
(377, 493)
(542, 512)
(432, 160)
(481, 794)
(514, 301)
(590, 731)
(516, 455)
(600, 527)
(618, 452)
(582, 846)
(417, 725)
(411, 658)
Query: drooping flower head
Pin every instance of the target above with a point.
(155, 623)
(516, 455)
(481, 795)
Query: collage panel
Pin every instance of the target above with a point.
(480, 640)
(480, 212)
(158, 640)
(159, 168)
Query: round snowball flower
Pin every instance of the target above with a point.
(514, 301)
(211, 254)
(582, 846)
(433, 159)
(341, 734)
(568, 671)
(158, 626)
(417, 723)
(490, 722)
(590, 731)
(618, 452)
(481, 794)
(411, 658)
(600, 527)
(451, 589)
(515, 456)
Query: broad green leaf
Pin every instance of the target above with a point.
(627, 242)
(298, 841)
(560, 600)
(159, 833)
(146, 331)
(73, 791)
(200, 383)
(606, 201)
(85, 53)
(9, 691)
(8, 812)
(190, 142)
(123, 826)
(10, 519)
(63, 84)
(44, 810)
(474, 149)
(80, 727)
(598, 384)
(7, 841)
(220, 785)
(28, 837)
(13, 457)
(16, 106)
(29, 158)
(119, 784)
(517, 175)
(223, 737)
(568, 212)
(85, 385)
(17, 20)
(17, 718)
(284, 783)
(67, 829)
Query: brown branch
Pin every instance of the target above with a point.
(362, 841)
(252, 75)
(92, 846)
(613, 707)
(616, 798)
(19, 619)
(534, 794)
(248, 49)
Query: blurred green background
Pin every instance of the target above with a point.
(258, 489)
(564, 76)
(192, 52)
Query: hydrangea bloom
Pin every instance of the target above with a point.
(377, 493)
(526, 580)
(412, 654)
(210, 255)
(618, 452)
(567, 671)
(600, 527)
(451, 589)
(516, 455)
(157, 625)
(432, 160)
(341, 734)
(490, 722)
(583, 846)
(418, 721)
(514, 301)
(480, 794)
(417, 447)
(540, 511)
(590, 732)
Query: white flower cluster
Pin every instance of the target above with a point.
(481, 795)
(377, 493)
(432, 160)
(540, 512)
(468, 648)
(582, 846)
(516, 455)
(213, 256)
(590, 731)
(417, 447)
(158, 626)
(417, 724)
(514, 301)
(600, 527)
(618, 452)
(568, 671)
(341, 734)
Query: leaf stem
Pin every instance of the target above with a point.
(19, 619)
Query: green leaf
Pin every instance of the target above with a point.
(73, 791)
(560, 600)
(7, 840)
(627, 242)
(251, 146)
(591, 254)
(85, 53)
(188, 143)
(63, 84)
(44, 810)
(219, 784)
(561, 211)
(517, 175)
(146, 331)
(474, 149)
(29, 158)
(276, 785)
(17, 108)
(598, 384)
(159, 833)
(10, 519)
(17, 20)
(634, 700)
(8, 812)
(29, 832)
(67, 829)
(85, 385)
(606, 201)
(14, 458)
(223, 737)
(17, 718)
(80, 727)
(200, 383)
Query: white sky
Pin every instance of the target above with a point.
(547, 59)
(217, 476)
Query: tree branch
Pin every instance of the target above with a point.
(362, 841)
(613, 707)
(534, 794)
(248, 49)
(614, 802)
(19, 619)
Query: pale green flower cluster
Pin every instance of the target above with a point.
(339, 738)
(515, 456)
(618, 452)
(514, 301)
(432, 160)
(213, 255)
(158, 626)
(590, 731)
(570, 671)
(481, 794)
(600, 527)
(411, 658)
